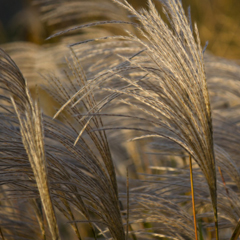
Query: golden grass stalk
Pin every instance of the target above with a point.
(31, 128)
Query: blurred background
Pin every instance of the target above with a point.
(218, 22)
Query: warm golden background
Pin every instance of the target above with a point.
(218, 22)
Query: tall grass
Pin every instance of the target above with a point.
(135, 97)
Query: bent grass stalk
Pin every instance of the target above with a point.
(31, 127)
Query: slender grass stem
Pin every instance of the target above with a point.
(216, 226)
(236, 232)
(193, 200)
(127, 205)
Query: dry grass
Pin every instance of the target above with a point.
(145, 100)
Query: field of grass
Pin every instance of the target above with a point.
(120, 125)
